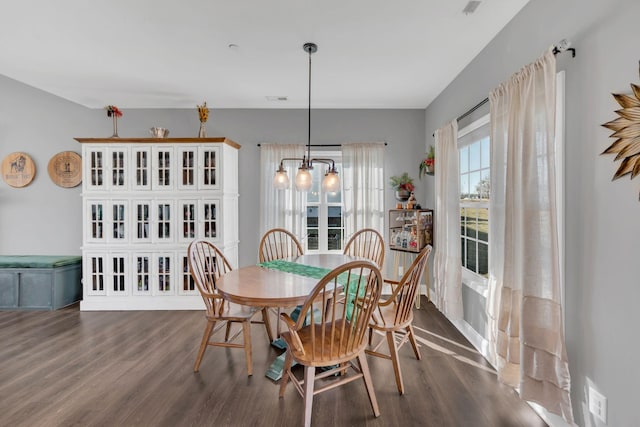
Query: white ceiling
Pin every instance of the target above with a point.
(175, 54)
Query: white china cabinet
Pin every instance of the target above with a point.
(144, 201)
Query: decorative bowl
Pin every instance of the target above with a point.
(159, 132)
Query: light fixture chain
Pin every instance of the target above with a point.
(309, 115)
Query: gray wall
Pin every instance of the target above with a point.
(602, 286)
(41, 218)
(46, 219)
(602, 226)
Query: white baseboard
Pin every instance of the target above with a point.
(182, 302)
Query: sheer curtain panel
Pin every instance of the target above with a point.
(524, 305)
(281, 208)
(447, 264)
(363, 184)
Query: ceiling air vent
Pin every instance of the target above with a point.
(471, 7)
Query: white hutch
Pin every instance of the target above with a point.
(144, 201)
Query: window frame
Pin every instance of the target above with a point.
(469, 277)
(324, 205)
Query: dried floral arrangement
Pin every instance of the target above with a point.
(203, 112)
(113, 110)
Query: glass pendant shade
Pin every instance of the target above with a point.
(281, 180)
(303, 179)
(331, 182)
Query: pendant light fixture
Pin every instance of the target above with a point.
(331, 181)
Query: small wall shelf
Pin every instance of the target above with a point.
(410, 230)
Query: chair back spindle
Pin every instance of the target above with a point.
(367, 243)
(408, 287)
(279, 243)
(207, 264)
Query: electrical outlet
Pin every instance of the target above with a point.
(598, 404)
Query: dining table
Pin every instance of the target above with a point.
(279, 283)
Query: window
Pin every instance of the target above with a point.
(325, 223)
(474, 149)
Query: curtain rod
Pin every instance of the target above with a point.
(561, 47)
(325, 145)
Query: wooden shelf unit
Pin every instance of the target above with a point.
(410, 230)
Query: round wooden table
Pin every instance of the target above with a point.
(263, 287)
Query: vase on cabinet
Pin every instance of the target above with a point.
(202, 133)
(402, 195)
(115, 126)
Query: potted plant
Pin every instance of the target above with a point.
(428, 164)
(403, 186)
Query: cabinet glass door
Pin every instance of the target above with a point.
(187, 284)
(95, 216)
(209, 167)
(187, 167)
(209, 219)
(163, 274)
(141, 168)
(95, 167)
(142, 221)
(118, 211)
(163, 220)
(94, 272)
(142, 277)
(118, 168)
(118, 273)
(162, 168)
(187, 220)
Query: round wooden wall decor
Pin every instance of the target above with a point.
(65, 169)
(18, 169)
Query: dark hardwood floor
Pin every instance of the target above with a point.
(72, 368)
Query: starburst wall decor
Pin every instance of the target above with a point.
(626, 130)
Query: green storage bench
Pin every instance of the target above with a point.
(34, 282)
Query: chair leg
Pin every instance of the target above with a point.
(309, 379)
(370, 336)
(227, 331)
(366, 375)
(393, 350)
(204, 343)
(414, 344)
(267, 323)
(285, 372)
(278, 311)
(246, 329)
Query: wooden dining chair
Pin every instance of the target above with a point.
(207, 264)
(278, 243)
(331, 332)
(395, 314)
(367, 243)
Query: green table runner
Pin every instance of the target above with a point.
(295, 268)
(316, 273)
